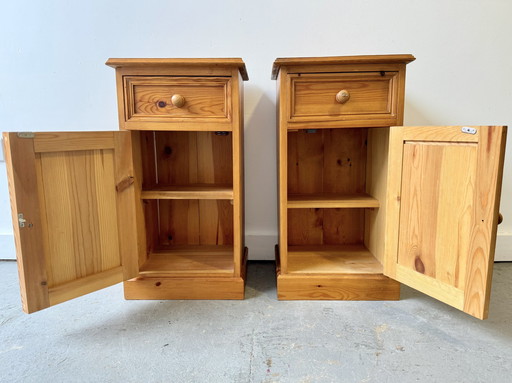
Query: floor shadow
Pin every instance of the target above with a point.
(261, 279)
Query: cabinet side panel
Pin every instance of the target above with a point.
(376, 186)
(283, 100)
(235, 170)
(393, 193)
(143, 163)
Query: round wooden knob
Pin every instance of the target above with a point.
(342, 96)
(500, 218)
(178, 100)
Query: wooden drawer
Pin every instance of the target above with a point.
(371, 97)
(168, 99)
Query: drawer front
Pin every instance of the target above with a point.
(343, 96)
(161, 98)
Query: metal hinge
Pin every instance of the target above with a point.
(21, 220)
(25, 134)
(467, 129)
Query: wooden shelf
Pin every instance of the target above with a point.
(199, 191)
(328, 200)
(332, 259)
(190, 260)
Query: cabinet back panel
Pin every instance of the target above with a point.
(432, 242)
(195, 222)
(184, 158)
(327, 161)
(325, 226)
(78, 199)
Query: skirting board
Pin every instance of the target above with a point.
(261, 247)
(503, 248)
(7, 250)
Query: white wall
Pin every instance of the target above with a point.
(52, 75)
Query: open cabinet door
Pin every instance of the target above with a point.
(73, 207)
(444, 187)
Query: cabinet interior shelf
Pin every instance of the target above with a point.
(190, 260)
(332, 259)
(330, 200)
(195, 191)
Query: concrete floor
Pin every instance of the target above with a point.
(103, 338)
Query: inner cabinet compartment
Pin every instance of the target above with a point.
(336, 193)
(187, 202)
(185, 164)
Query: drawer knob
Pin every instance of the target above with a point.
(178, 100)
(342, 96)
(500, 218)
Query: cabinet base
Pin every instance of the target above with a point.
(347, 287)
(337, 287)
(161, 288)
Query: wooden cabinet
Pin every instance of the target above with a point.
(158, 204)
(363, 205)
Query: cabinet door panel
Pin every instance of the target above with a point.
(73, 206)
(443, 202)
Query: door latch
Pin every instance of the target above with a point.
(21, 220)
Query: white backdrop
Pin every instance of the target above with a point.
(53, 77)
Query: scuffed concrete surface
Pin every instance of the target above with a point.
(103, 338)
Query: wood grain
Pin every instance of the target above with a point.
(337, 287)
(325, 226)
(76, 223)
(147, 236)
(376, 183)
(172, 63)
(201, 191)
(85, 285)
(190, 261)
(357, 61)
(187, 158)
(63, 141)
(439, 134)
(194, 222)
(331, 161)
(160, 288)
(436, 215)
(283, 145)
(448, 210)
(327, 177)
(23, 182)
(331, 200)
(127, 203)
(152, 96)
(314, 96)
(238, 228)
(81, 218)
(333, 259)
(491, 154)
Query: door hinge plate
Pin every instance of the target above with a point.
(25, 134)
(467, 129)
(21, 220)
